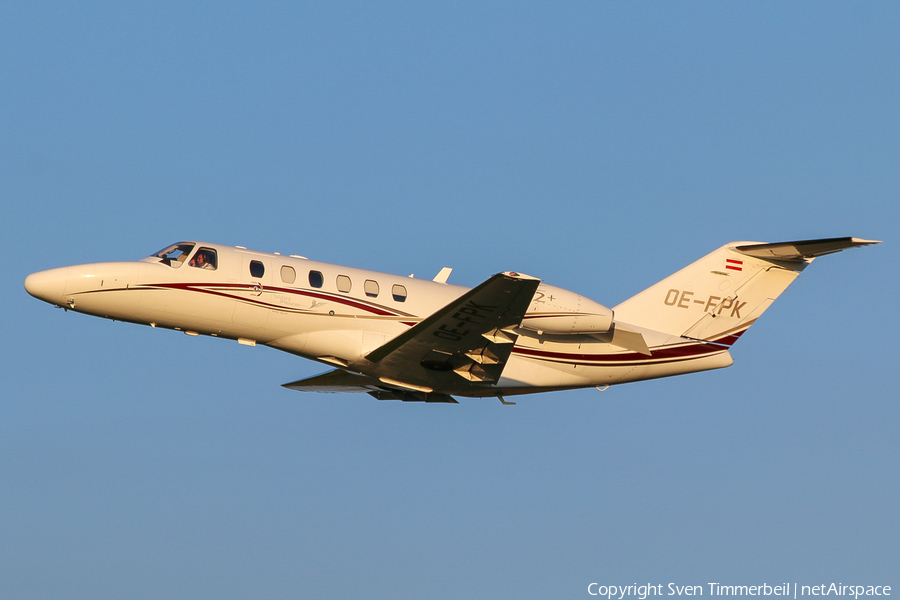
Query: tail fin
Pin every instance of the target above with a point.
(718, 298)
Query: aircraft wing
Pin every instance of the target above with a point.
(336, 381)
(464, 345)
(340, 381)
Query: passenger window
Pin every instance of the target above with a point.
(204, 259)
(316, 279)
(399, 293)
(257, 269)
(371, 288)
(288, 274)
(343, 283)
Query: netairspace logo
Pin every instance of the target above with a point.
(641, 592)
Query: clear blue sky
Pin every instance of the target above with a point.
(599, 146)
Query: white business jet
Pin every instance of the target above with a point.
(400, 338)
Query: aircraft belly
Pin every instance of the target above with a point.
(248, 315)
(315, 336)
(186, 311)
(717, 360)
(118, 304)
(521, 372)
(584, 365)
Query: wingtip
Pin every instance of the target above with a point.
(517, 275)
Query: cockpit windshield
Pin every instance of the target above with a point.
(174, 255)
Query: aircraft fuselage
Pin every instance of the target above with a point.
(337, 315)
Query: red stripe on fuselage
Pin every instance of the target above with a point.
(664, 354)
(212, 289)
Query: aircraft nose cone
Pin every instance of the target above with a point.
(48, 286)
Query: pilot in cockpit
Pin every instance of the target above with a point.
(202, 260)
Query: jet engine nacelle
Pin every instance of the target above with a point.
(557, 311)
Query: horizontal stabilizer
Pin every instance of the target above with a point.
(626, 338)
(630, 340)
(803, 249)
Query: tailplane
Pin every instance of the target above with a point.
(718, 297)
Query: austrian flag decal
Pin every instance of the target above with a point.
(734, 265)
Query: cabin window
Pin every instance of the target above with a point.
(371, 288)
(399, 293)
(204, 259)
(343, 283)
(174, 255)
(316, 279)
(257, 269)
(288, 274)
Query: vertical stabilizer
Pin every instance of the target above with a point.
(718, 297)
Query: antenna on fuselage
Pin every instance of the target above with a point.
(443, 275)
